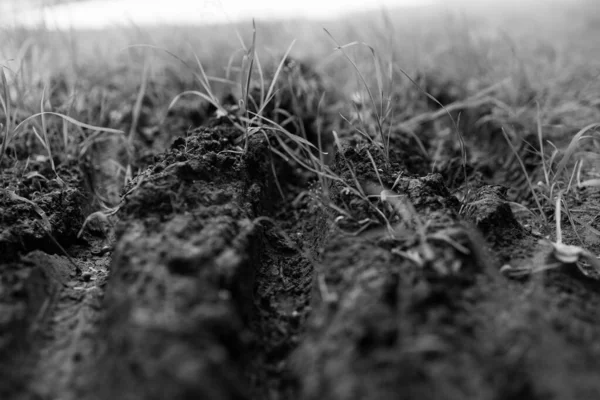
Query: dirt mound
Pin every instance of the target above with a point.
(37, 213)
(234, 274)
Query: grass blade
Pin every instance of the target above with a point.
(537, 201)
(137, 108)
(71, 120)
(541, 140)
(6, 107)
(572, 147)
(278, 70)
(45, 132)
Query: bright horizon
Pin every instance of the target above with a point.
(97, 14)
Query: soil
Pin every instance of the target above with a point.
(232, 274)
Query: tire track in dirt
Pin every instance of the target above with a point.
(282, 295)
(180, 296)
(66, 332)
(38, 219)
(180, 300)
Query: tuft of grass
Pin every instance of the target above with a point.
(246, 76)
(572, 147)
(533, 191)
(563, 255)
(381, 108)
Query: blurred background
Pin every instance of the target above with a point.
(95, 14)
(102, 13)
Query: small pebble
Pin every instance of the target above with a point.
(103, 251)
(86, 277)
